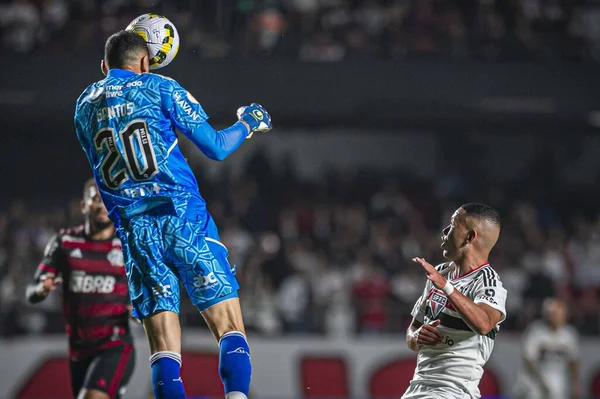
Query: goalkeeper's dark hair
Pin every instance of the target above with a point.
(124, 48)
(482, 211)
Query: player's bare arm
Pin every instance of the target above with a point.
(534, 372)
(479, 316)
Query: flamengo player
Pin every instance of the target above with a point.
(550, 351)
(89, 260)
(127, 124)
(456, 319)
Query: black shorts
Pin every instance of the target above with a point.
(108, 370)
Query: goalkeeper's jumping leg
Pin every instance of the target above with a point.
(225, 321)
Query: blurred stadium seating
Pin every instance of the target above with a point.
(325, 30)
(389, 114)
(331, 254)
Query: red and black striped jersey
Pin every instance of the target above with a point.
(95, 296)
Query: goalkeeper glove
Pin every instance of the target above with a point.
(257, 118)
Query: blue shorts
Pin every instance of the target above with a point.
(162, 251)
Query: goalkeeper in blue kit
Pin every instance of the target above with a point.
(127, 124)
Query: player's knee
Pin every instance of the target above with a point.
(163, 332)
(224, 317)
(235, 368)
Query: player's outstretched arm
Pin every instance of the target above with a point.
(219, 144)
(190, 119)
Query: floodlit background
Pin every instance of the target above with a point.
(388, 115)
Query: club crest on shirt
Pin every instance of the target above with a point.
(437, 302)
(115, 257)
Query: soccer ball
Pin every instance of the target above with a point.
(161, 36)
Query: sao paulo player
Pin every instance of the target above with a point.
(456, 319)
(551, 353)
(127, 125)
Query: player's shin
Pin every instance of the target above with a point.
(166, 376)
(235, 368)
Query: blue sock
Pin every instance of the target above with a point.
(166, 377)
(234, 364)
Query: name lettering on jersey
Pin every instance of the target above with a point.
(141, 191)
(115, 111)
(91, 284)
(185, 106)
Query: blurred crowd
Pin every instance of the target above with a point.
(333, 256)
(320, 30)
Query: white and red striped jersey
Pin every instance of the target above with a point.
(454, 367)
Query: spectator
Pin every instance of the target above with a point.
(336, 257)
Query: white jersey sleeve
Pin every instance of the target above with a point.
(491, 292)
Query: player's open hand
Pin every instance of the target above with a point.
(436, 278)
(428, 334)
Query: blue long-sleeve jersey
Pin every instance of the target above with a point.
(127, 123)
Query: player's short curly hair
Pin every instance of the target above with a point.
(123, 48)
(482, 211)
